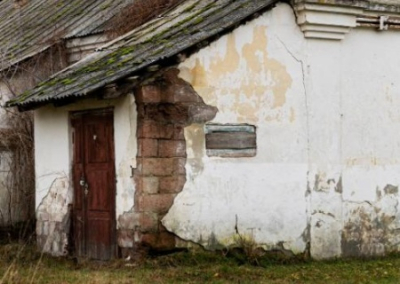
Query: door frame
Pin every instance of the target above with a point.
(78, 117)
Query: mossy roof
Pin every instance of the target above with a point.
(34, 27)
(191, 22)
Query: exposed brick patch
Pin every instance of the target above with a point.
(172, 184)
(179, 166)
(150, 185)
(159, 241)
(179, 133)
(149, 94)
(158, 166)
(165, 107)
(149, 222)
(172, 148)
(157, 203)
(148, 147)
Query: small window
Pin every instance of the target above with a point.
(231, 140)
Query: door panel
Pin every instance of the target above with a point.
(94, 184)
(98, 199)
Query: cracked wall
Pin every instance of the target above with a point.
(326, 112)
(251, 78)
(53, 154)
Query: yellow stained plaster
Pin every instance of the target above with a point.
(257, 59)
(229, 63)
(254, 65)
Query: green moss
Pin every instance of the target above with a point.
(191, 7)
(67, 81)
(110, 72)
(111, 60)
(126, 50)
(105, 5)
(198, 20)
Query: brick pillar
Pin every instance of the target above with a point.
(164, 108)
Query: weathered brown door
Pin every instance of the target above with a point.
(94, 184)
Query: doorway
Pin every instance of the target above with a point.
(94, 184)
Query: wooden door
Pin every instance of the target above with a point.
(94, 185)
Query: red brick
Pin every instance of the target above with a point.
(158, 166)
(168, 95)
(159, 241)
(150, 185)
(184, 93)
(179, 166)
(179, 132)
(173, 184)
(149, 239)
(148, 222)
(149, 94)
(157, 203)
(153, 129)
(148, 147)
(172, 148)
(129, 220)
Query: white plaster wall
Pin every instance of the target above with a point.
(5, 94)
(253, 75)
(53, 151)
(327, 166)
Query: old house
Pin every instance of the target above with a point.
(37, 39)
(275, 121)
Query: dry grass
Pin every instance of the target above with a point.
(27, 266)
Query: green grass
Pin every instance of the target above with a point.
(20, 264)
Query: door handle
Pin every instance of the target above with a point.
(84, 184)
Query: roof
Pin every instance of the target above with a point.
(186, 25)
(35, 26)
(380, 6)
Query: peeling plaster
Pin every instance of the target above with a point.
(243, 52)
(52, 217)
(219, 189)
(372, 228)
(125, 154)
(53, 160)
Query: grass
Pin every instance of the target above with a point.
(22, 264)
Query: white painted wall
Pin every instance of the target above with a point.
(327, 117)
(253, 75)
(53, 152)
